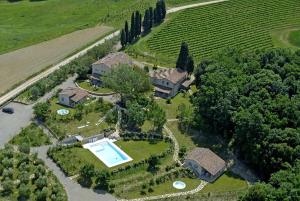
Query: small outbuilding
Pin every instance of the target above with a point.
(72, 96)
(205, 164)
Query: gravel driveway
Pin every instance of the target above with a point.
(11, 124)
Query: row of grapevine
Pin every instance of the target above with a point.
(246, 24)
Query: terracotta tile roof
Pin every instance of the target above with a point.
(75, 94)
(114, 59)
(207, 159)
(174, 75)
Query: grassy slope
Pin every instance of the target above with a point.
(25, 23)
(242, 23)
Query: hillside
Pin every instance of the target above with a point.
(248, 24)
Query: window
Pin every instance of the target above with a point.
(167, 83)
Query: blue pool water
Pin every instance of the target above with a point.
(109, 154)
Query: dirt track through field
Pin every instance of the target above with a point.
(18, 65)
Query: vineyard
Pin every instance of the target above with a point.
(246, 24)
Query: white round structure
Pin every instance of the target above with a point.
(63, 112)
(179, 185)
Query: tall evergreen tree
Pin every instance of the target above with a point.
(137, 24)
(155, 16)
(190, 65)
(163, 9)
(183, 56)
(123, 38)
(159, 12)
(151, 17)
(146, 22)
(127, 32)
(132, 27)
(140, 24)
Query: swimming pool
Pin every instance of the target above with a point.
(109, 153)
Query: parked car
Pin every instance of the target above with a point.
(8, 110)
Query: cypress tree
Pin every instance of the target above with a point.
(151, 17)
(137, 24)
(127, 32)
(146, 21)
(140, 24)
(123, 38)
(163, 9)
(155, 16)
(158, 12)
(190, 65)
(132, 28)
(183, 56)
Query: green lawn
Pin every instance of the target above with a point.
(164, 188)
(294, 38)
(226, 183)
(171, 109)
(137, 150)
(31, 135)
(87, 85)
(235, 23)
(88, 125)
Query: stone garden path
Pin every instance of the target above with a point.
(176, 145)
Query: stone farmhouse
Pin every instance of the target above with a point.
(72, 96)
(104, 65)
(205, 164)
(168, 82)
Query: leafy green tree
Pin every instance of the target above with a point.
(42, 195)
(24, 148)
(153, 162)
(185, 116)
(136, 115)
(86, 173)
(41, 110)
(24, 192)
(158, 116)
(7, 186)
(102, 180)
(41, 182)
(128, 81)
(183, 56)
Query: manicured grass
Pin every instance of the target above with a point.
(137, 150)
(164, 188)
(294, 38)
(69, 125)
(226, 183)
(235, 23)
(31, 135)
(87, 85)
(171, 109)
(184, 140)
